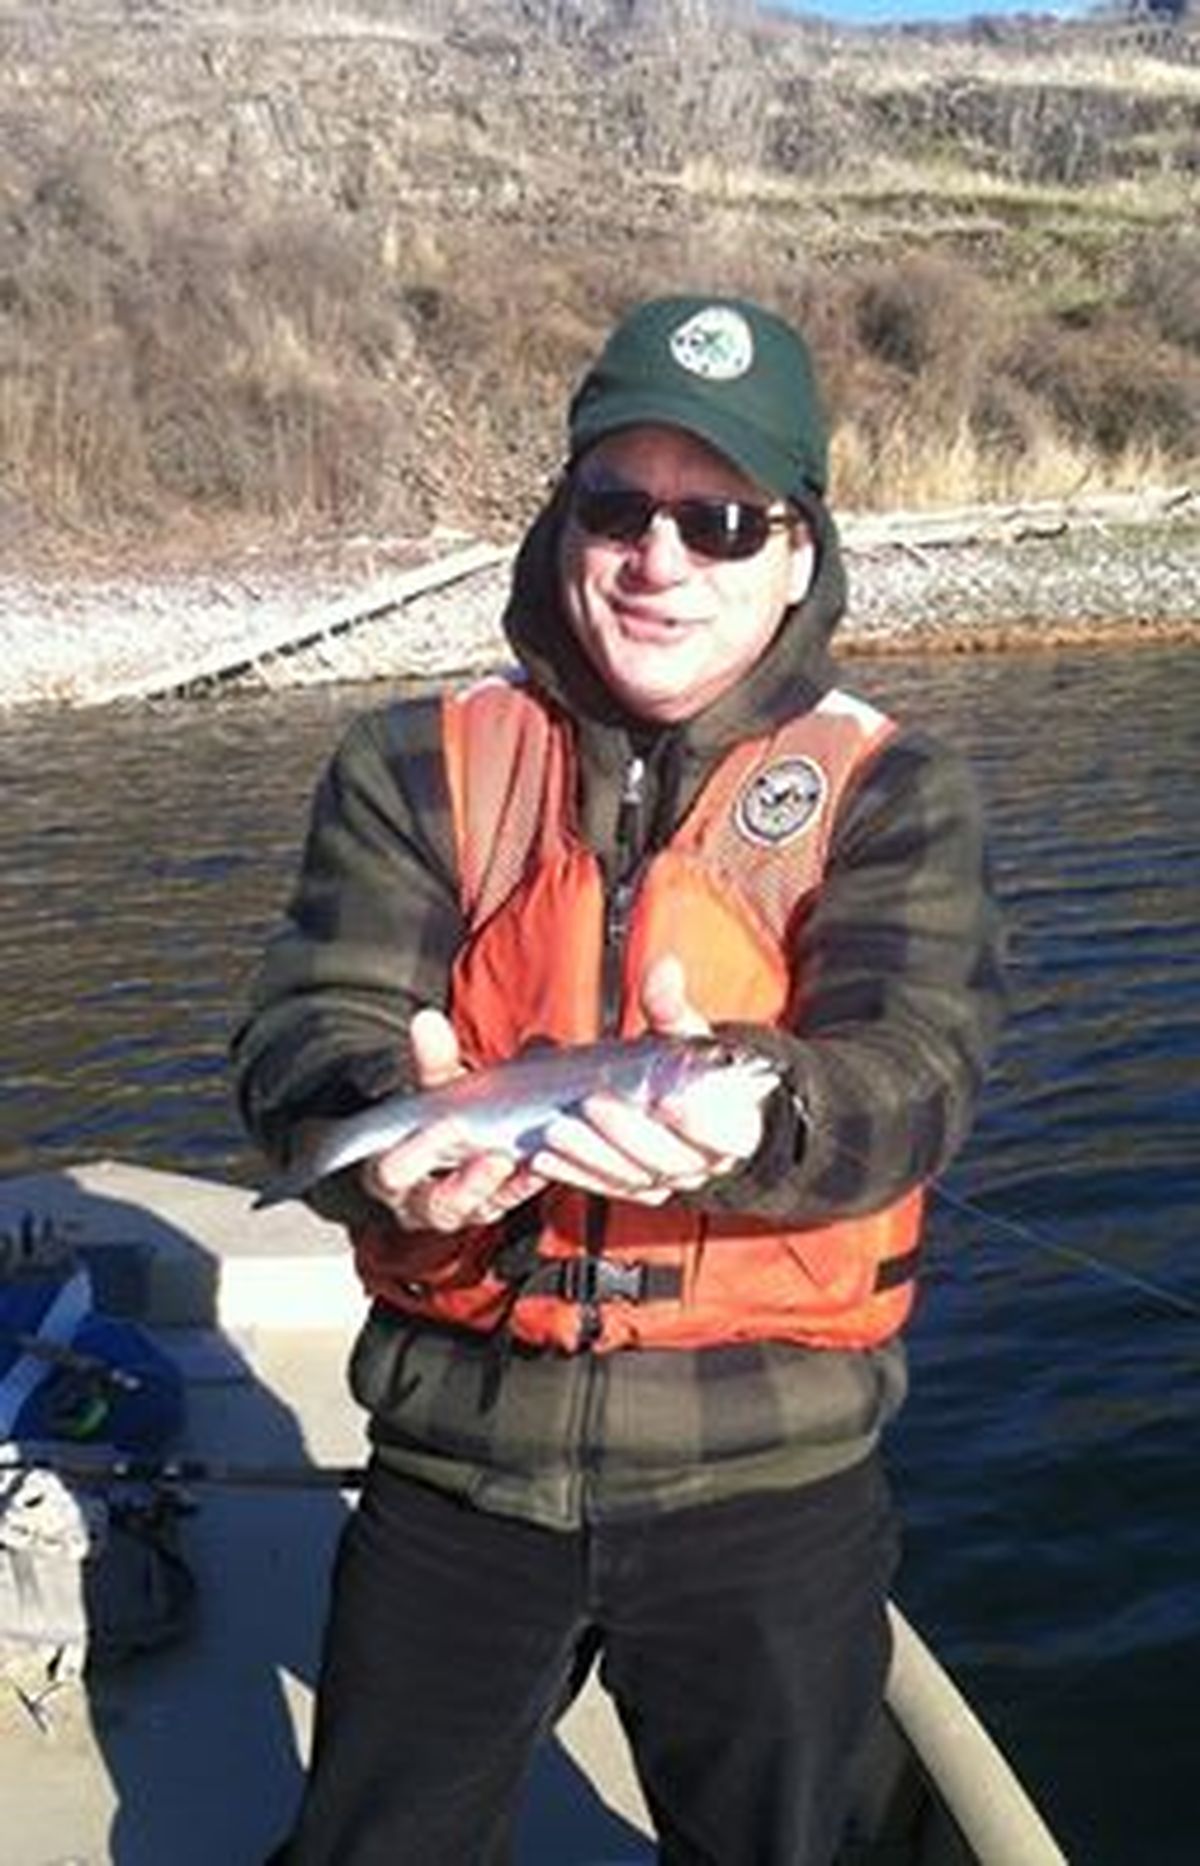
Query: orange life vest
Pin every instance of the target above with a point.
(724, 894)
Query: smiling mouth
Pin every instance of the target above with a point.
(649, 622)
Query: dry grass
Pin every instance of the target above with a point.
(1117, 61)
(172, 355)
(178, 364)
(966, 472)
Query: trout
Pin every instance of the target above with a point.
(507, 1107)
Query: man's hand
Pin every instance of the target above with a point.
(616, 1149)
(434, 1180)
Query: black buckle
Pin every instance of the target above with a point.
(602, 1279)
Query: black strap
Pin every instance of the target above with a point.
(896, 1270)
(604, 1279)
(594, 1278)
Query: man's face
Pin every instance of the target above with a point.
(667, 628)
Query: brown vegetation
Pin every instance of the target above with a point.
(337, 269)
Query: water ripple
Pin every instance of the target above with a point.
(1047, 1456)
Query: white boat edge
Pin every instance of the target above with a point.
(974, 1780)
(978, 1806)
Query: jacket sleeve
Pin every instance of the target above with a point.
(900, 998)
(366, 939)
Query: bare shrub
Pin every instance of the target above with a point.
(926, 316)
(267, 357)
(171, 358)
(1114, 387)
(910, 353)
(941, 391)
(1009, 422)
(1164, 285)
(63, 370)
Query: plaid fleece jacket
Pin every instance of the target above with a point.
(902, 998)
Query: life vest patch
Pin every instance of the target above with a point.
(780, 801)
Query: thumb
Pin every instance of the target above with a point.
(434, 1048)
(665, 1002)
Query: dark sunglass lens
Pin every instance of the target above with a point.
(616, 512)
(722, 527)
(717, 528)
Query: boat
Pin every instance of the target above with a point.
(935, 1789)
(193, 1754)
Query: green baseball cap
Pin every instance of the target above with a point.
(722, 369)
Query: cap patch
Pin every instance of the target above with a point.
(780, 801)
(716, 343)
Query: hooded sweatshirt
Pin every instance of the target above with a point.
(902, 1001)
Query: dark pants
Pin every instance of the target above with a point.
(745, 1644)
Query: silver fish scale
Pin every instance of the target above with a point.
(509, 1106)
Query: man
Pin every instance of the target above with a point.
(626, 1395)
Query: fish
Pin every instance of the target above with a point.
(507, 1107)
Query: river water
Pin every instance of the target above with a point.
(1048, 1459)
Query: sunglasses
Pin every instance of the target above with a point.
(722, 529)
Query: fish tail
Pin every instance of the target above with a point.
(289, 1185)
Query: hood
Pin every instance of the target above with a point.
(790, 676)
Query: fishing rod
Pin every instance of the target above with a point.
(103, 1466)
(92, 1367)
(106, 1466)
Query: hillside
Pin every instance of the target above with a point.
(335, 266)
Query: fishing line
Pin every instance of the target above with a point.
(1102, 1266)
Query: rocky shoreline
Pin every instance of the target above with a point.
(1100, 582)
(1117, 574)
